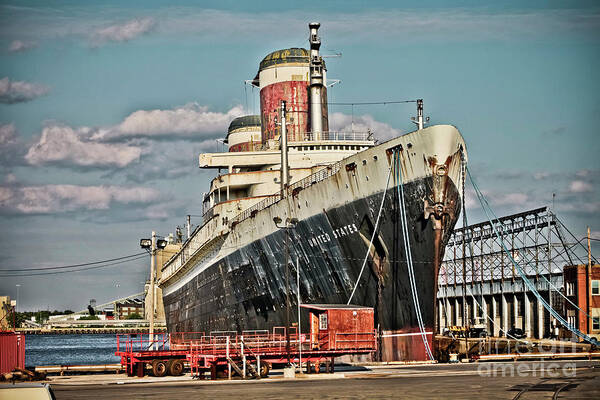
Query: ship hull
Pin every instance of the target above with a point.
(247, 289)
(243, 287)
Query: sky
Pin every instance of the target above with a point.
(105, 106)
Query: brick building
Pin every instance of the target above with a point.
(580, 291)
(126, 308)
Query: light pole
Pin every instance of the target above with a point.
(152, 244)
(18, 285)
(298, 300)
(290, 223)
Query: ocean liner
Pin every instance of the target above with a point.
(337, 195)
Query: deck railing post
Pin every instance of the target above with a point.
(258, 365)
(243, 358)
(228, 360)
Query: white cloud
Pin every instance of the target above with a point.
(50, 199)
(186, 121)
(579, 186)
(8, 134)
(538, 176)
(130, 141)
(340, 122)
(11, 148)
(19, 45)
(510, 199)
(125, 31)
(19, 91)
(448, 24)
(64, 145)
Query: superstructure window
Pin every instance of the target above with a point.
(596, 288)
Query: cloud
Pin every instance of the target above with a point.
(176, 159)
(340, 122)
(190, 130)
(123, 32)
(510, 199)
(52, 199)
(19, 91)
(444, 24)
(11, 149)
(62, 145)
(578, 186)
(19, 45)
(8, 134)
(554, 132)
(190, 121)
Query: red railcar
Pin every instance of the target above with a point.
(12, 351)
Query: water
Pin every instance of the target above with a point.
(70, 349)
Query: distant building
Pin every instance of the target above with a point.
(6, 307)
(580, 290)
(126, 308)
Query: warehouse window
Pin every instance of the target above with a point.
(571, 318)
(596, 288)
(323, 321)
(570, 289)
(596, 323)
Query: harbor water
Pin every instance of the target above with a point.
(86, 349)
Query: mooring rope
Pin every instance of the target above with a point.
(372, 236)
(408, 252)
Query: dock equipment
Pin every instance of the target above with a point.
(165, 353)
(247, 354)
(335, 330)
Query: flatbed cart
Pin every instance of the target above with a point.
(251, 356)
(165, 353)
(335, 330)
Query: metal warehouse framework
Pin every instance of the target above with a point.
(478, 279)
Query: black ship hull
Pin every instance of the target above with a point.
(246, 290)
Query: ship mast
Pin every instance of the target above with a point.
(284, 152)
(419, 120)
(316, 83)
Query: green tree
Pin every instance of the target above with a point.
(134, 316)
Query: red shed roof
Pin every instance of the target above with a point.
(334, 306)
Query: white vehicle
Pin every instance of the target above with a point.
(29, 391)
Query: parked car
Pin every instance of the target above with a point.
(29, 391)
(516, 333)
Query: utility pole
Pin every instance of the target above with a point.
(152, 267)
(589, 281)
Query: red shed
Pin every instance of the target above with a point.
(340, 326)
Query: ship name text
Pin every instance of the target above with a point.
(337, 233)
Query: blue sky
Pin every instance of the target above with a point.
(105, 107)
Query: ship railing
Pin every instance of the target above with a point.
(294, 188)
(342, 136)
